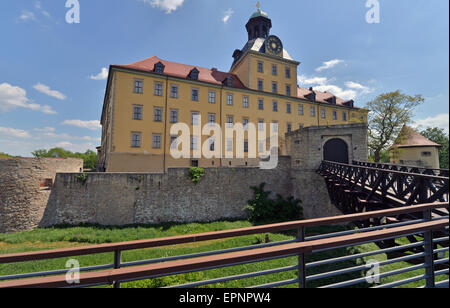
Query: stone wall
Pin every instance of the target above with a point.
(123, 199)
(24, 189)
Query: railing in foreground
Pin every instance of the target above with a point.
(119, 272)
(404, 168)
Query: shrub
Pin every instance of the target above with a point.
(263, 209)
(196, 174)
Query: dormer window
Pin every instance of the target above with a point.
(159, 68)
(194, 74)
(332, 100)
(350, 103)
(311, 96)
(229, 81)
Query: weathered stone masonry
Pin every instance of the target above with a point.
(125, 199)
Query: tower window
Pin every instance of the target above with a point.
(288, 108)
(274, 70)
(288, 73)
(260, 85)
(260, 67)
(288, 90)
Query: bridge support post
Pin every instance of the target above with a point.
(429, 254)
(301, 260)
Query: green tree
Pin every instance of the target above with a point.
(4, 155)
(439, 136)
(89, 157)
(388, 113)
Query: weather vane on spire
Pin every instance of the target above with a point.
(258, 6)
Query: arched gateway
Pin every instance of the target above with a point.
(336, 150)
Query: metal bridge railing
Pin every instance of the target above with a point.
(120, 272)
(404, 168)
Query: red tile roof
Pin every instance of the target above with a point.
(217, 77)
(182, 71)
(408, 137)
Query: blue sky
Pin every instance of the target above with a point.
(52, 77)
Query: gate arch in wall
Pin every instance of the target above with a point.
(336, 150)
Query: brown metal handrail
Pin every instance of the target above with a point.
(133, 245)
(168, 268)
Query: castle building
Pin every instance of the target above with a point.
(145, 99)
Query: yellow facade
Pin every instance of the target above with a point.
(425, 157)
(286, 109)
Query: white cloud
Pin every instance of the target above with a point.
(313, 80)
(345, 94)
(92, 125)
(228, 15)
(359, 87)
(46, 90)
(45, 129)
(7, 132)
(166, 5)
(100, 76)
(329, 64)
(27, 15)
(440, 120)
(12, 97)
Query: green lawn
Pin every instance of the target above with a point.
(61, 237)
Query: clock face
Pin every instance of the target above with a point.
(274, 45)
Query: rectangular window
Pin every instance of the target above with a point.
(288, 108)
(274, 70)
(138, 86)
(288, 90)
(230, 121)
(158, 89)
(301, 110)
(246, 146)
(260, 67)
(229, 145)
(195, 95)
(261, 125)
(173, 116)
(245, 123)
(156, 144)
(174, 142)
(246, 103)
(323, 113)
(344, 116)
(195, 118)
(212, 97)
(313, 111)
(260, 85)
(289, 127)
(274, 87)
(335, 115)
(174, 91)
(158, 114)
(260, 104)
(230, 99)
(137, 112)
(212, 118)
(194, 143)
(275, 106)
(135, 140)
(275, 127)
(288, 73)
(261, 146)
(212, 144)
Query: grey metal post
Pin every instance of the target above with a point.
(429, 254)
(117, 262)
(301, 260)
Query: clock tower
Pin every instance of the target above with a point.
(263, 64)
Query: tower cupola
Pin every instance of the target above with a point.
(259, 24)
